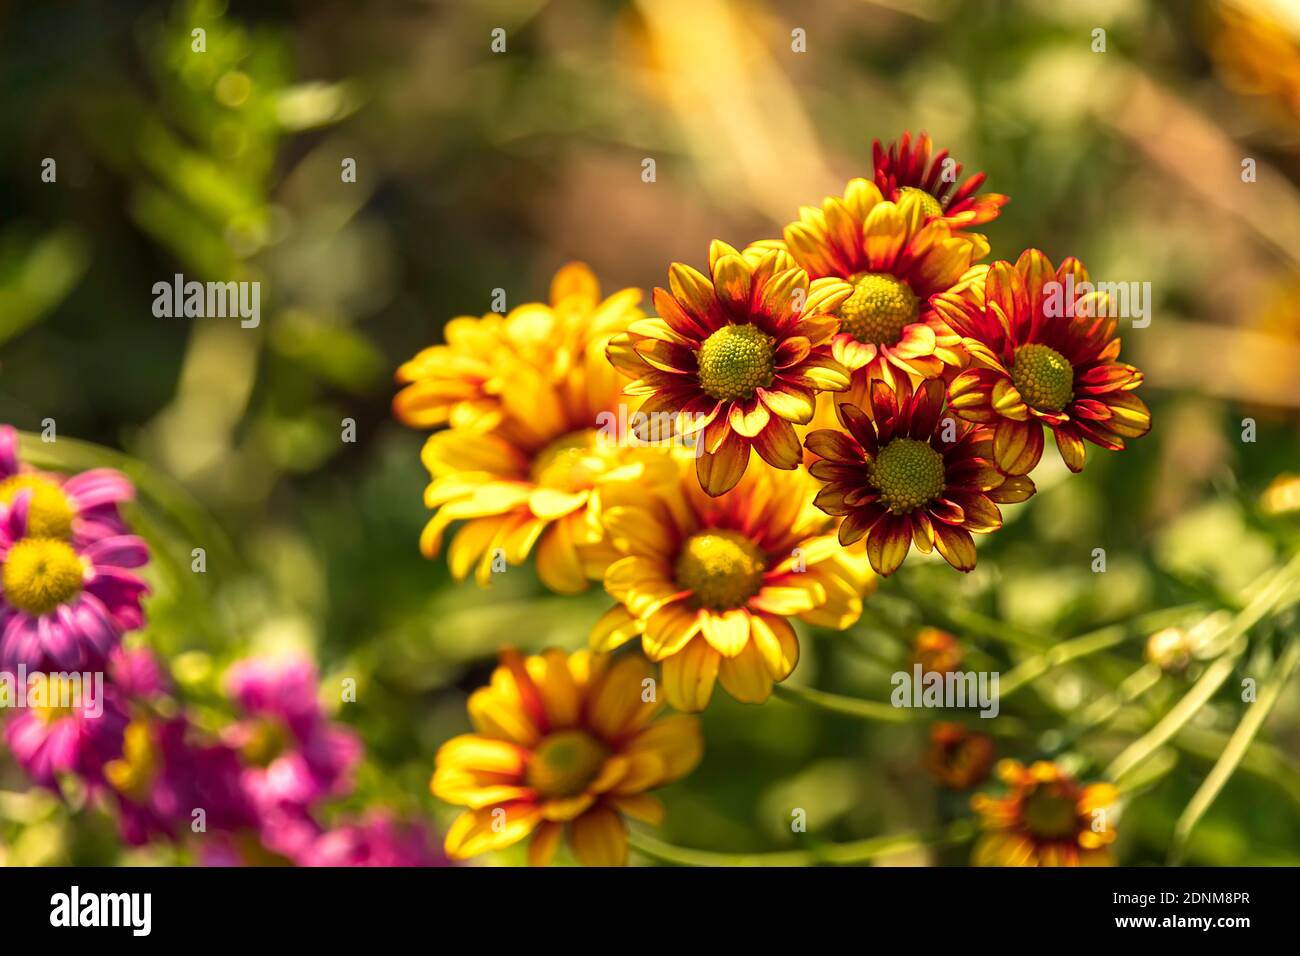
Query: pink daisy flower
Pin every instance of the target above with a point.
(294, 755)
(66, 729)
(79, 509)
(64, 604)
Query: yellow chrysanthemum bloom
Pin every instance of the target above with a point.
(708, 584)
(528, 465)
(895, 256)
(1045, 819)
(490, 366)
(564, 742)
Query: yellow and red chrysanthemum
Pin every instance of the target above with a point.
(1043, 356)
(901, 476)
(564, 744)
(894, 258)
(736, 358)
(1045, 819)
(708, 584)
(959, 758)
(906, 167)
(530, 469)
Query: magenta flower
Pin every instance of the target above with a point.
(377, 840)
(66, 728)
(80, 509)
(294, 755)
(64, 605)
(137, 673)
(165, 775)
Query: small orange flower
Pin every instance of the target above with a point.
(906, 168)
(736, 358)
(1043, 356)
(936, 650)
(1045, 819)
(959, 758)
(564, 743)
(902, 475)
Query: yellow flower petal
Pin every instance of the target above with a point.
(599, 838)
(544, 844)
(494, 828)
(745, 676)
(688, 675)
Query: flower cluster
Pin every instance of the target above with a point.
(895, 389)
(100, 716)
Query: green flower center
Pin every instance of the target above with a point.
(1049, 814)
(40, 574)
(565, 763)
(880, 307)
(908, 474)
(49, 513)
(1043, 377)
(929, 205)
(568, 464)
(734, 361)
(723, 568)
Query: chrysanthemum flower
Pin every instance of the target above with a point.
(560, 437)
(907, 168)
(1045, 819)
(905, 474)
(959, 758)
(487, 373)
(65, 728)
(740, 355)
(708, 584)
(563, 743)
(294, 754)
(64, 605)
(895, 258)
(1042, 357)
(80, 509)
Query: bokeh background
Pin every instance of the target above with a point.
(478, 170)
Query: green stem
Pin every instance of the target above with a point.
(833, 854)
(849, 706)
(1231, 643)
(1238, 744)
(1104, 709)
(1035, 667)
(875, 711)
